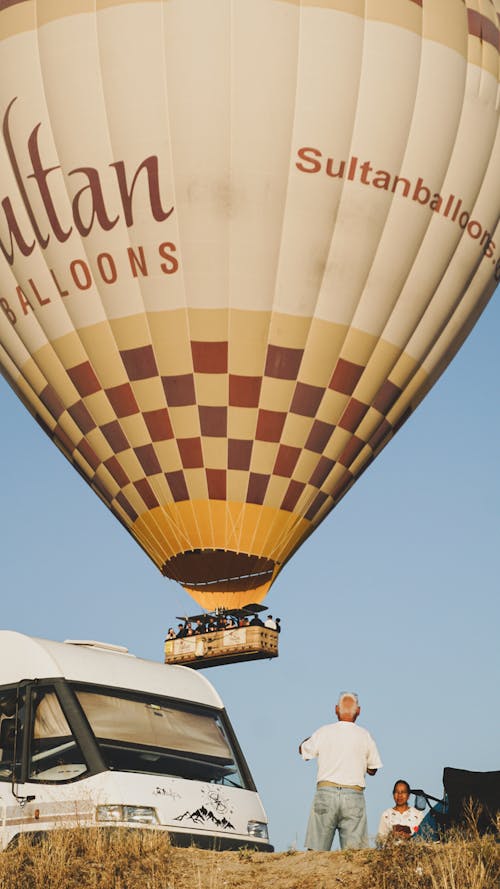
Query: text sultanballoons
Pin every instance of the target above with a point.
(239, 242)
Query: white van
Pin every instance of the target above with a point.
(91, 735)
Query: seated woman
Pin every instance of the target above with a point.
(402, 820)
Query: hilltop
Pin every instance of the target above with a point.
(100, 859)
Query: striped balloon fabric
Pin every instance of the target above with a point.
(239, 242)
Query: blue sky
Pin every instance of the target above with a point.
(395, 596)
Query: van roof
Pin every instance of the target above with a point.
(26, 657)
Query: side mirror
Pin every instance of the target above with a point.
(420, 800)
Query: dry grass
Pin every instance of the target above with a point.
(99, 859)
(465, 861)
(67, 859)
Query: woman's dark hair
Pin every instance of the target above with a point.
(400, 781)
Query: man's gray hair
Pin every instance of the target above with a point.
(348, 702)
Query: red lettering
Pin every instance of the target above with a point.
(56, 282)
(126, 193)
(488, 245)
(464, 223)
(80, 273)
(436, 202)
(137, 261)
(40, 176)
(449, 204)
(88, 205)
(406, 185)
(40, 300)
(421, 189)
(14, 233)
(352, 168)
(8, 311)
(475, 229)
(365, 169)
(171, 265)
(110, 274)
(382, 179)
(97, 205)
(330, 170)
(43, 241)
(23, 300)
(315, 164)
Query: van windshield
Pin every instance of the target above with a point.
(139, 733)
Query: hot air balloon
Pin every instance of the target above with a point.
(239, 242)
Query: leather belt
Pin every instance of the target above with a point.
(334, 784)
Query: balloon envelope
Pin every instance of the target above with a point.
(239, 242)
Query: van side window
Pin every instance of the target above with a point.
(11, 744)
(55, 755)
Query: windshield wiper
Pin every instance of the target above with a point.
(46, 753)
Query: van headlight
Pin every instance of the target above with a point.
(132, 814)
(258, 829)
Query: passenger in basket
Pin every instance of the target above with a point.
(199, 628)
(181, 631)
(278, 624)
(345, 753)
(270, 623)
(256, 622)
(211, 626)
(170, 634)
(401, 820)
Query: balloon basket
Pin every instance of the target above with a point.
(227, 646)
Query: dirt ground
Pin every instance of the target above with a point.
(83, 859)
(283, 870)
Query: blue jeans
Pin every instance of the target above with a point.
(337, 808)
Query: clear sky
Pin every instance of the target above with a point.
(395, 596)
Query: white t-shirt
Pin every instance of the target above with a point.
(390, 817)
(344, 751)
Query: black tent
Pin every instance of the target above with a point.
(476, 792)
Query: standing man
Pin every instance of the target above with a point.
(345, 753)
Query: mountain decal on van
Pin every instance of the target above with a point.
(203, 815)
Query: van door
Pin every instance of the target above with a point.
(12, 739)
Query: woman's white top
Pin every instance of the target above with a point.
(390, 817)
